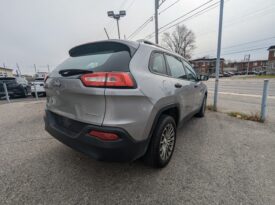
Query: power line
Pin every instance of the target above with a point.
(196, 14)
(185, 14)
(242, 51)
(169, 6)
(237, 45)
(212, 6)
(238, 20)
(130, 5)
(141, 27)
(123, 3)
(161, 2)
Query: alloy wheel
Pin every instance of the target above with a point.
(167, 142)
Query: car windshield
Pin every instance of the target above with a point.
(39, 80)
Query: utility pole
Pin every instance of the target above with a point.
(4, 66)
(18, 69)
(106, 33)
(218, 55)
(248, 59)
(48, 68)
(156, 22)
(158, 3)
(117, 18)
(34, 69)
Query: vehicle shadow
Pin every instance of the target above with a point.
(59, 173)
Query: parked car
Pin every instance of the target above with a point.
(39, 85)
(262, 72)
(120, 100)
(16, 86)
(213, 75)
(226, 74)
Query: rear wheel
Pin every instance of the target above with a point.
(162, 144)
(201, 113)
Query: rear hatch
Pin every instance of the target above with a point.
(10, 82)
(39, 83)
(69, 96)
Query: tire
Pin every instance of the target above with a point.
(160, 150)
(25, 93)
(33, 95)
(201, 113)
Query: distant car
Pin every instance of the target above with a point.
(16, 86)
(226, 74)
(213, 75)
(39, 85)
(262, 72)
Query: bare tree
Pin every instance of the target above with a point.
(181, 41)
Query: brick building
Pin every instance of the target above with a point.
(271, 60)
(206, 65)
(256, 65)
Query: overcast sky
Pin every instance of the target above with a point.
(42, 31)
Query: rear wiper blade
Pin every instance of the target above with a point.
(70, 72)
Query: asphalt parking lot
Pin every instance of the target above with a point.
(218, 160)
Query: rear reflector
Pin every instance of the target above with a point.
(108, 79)
(106, 136)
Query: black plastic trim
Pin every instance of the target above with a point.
(124, 149)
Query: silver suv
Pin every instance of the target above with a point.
(119, 100)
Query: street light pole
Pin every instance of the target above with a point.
(117, 23)
(117, 17)
(218, 55)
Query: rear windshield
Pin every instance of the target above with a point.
(98, 57)
(105, 62)
(7, 80)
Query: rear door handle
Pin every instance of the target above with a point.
(178, 85)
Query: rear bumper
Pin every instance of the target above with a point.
(74, 134)
(13, 91)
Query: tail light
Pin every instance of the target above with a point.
(108, 79)
(106, 136)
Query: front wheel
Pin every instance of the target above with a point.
(25, 93)
(201, 113)
(162, 144)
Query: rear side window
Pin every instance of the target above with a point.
(176, 67)
(157, 63)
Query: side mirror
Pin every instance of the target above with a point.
(203, 77)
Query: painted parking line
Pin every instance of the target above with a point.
(245, 95)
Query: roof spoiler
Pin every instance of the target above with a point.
(104, 46)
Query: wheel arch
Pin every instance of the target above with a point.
(172, 110)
